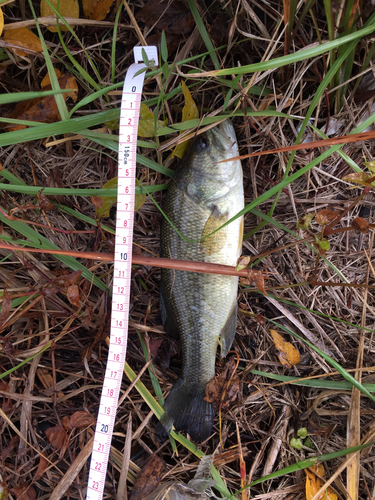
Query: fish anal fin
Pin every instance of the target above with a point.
(213, 243)
(228, 332)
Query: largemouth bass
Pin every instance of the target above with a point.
(201, 308)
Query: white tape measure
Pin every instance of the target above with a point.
(130, 106)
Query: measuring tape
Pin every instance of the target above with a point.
(130, 106)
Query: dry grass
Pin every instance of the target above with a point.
(67, 376)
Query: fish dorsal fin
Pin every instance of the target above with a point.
(228, 332)
(215, 242)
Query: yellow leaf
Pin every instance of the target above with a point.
(67, 8)
(359, 178)
(146, 126)
(314, 483)
(108, 201)
(189, 112)
(46, 80)
(287, 353)
(1, 21)
(96, 9)
(25, 38)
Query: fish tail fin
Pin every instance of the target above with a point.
(186, 409)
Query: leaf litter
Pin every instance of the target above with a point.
(36, 290)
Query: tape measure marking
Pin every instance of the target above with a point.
(130, 107)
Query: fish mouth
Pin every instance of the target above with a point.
(223, 136)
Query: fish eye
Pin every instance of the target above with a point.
(202, 143)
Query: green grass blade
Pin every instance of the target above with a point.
(27, 96)
(315, 383)
(60, 101)
(308, 462)
(34, 190)
(300, 55)
(204, 34)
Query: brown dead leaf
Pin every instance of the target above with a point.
(148, 479)
(56, 436)
(227, 384)
(43, 109)
(6, 306)
(8, 450)
(96, 9)
(54, 180)
(172, 17)
(66, 423)
(81, 419)
(67, 8)
(44, 203)
(324, 217)
(7, 406)
(361, 224)
(24, 38)
(73, 295)
(43, 464)
(286, 352)
(69, 279)
(23, 492)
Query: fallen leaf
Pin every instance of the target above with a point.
(54, 180)
(8, 450)
(314, 483)
(286, 352)
(81, 419)
(361, 224)
(1, 21)
(225, 387)
(370, 165)
(73, 295)
(172, 17)
(148, 479)
(43, 109)
(146, 126)
(321, 244)
(360, 178)
(324, 217)
(96, 9)
(69, 279)
(23, 492)
(243, 262)
(43, 464)
(67, 8)
(56, 436)
(6, 306)
(47, 81)
(66, 423)
(44, 203)
(305, 221)
(256, 277)
(189, 112)
(105, 204)
(24, 38)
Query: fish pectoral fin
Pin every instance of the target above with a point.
(213, 243)
(228, 332)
